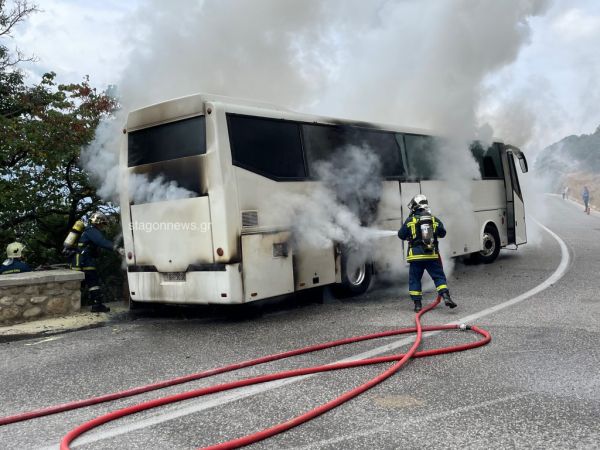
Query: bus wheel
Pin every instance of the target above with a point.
(491, 246)
(356, 276)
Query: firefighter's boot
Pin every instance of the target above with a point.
(448, 301)
(97, 306)
(418, 306)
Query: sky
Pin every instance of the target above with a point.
(534, 87)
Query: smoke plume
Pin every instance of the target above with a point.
(420, 63)
(339, 208)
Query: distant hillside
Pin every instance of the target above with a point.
(571, 154)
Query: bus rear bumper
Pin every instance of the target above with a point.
(192, 287)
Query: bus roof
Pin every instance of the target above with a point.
(191, 105)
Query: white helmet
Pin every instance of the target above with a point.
(15, 250)
(98, 219)
(419, 201)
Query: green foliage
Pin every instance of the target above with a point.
(43, 128)
(42, 188)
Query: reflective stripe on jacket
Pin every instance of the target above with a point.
(88, 248)
(14, 266)
(408, 232)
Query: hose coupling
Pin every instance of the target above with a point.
(464, 327)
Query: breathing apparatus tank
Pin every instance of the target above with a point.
(72, 239)
(426, 229)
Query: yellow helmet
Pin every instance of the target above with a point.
(15, 250)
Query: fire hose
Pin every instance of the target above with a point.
(399, 361)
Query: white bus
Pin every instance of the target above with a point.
(229, 243)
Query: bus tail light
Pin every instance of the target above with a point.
(129, 255)
(220, 251)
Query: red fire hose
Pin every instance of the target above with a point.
(399, 359)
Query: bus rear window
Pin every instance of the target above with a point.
(166, 142)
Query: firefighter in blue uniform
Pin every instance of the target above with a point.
(88, 249)
(422, 231)
(14, 263)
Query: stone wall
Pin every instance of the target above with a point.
(33, 295)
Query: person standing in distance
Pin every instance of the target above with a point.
(88, 249)
(422, 231)
(14, 263)
(586, 199)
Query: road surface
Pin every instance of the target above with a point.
(536, 385)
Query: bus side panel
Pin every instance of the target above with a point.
(267, 265)
(489, 203)
(455, 210)
(314, 267)
(222, 187)
(275, 204)
(124, 202)
(388, 251)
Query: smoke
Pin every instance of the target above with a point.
(101, 158)
(339, 208)
(143, 189)
(354, 175)
(101, 161)
(420, 63)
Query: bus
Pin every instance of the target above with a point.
(228, 242)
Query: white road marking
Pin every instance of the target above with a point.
(44, 340)
(410, 423)
(230, 396)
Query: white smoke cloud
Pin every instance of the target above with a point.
(143, 189)
(101, 158)
(415, 63)
(332, 211)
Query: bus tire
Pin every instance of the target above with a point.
(491, 246)
(355, 279)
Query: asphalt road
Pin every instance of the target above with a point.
(536, 385)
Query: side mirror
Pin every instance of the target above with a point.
(519, 154)
(523, 163)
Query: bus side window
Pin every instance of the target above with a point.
(385, 146)
(479, 155)
(421, 153)
(490, 165)
(269, 147)
(321, 142)
(325, 142)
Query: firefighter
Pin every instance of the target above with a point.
(422, 231)
(14, 263)
(88, 249)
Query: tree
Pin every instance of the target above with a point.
(43, 127)
(8, 19)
